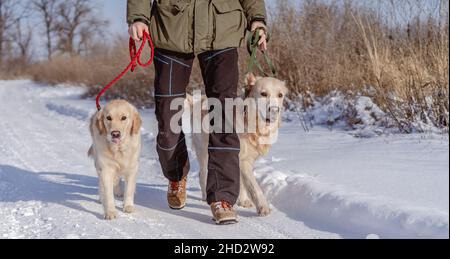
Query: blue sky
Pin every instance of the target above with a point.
(115, 12)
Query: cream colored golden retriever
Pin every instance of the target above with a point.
(255, 144)
(116, 148)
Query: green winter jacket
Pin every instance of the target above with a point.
(195, 26)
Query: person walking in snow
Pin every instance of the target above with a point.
(210, 30)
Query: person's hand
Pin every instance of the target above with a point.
(136, 31)
(262, 33)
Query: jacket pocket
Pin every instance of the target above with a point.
(169, 25)
(229, 23)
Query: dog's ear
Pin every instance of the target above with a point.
(285, 88)
(137, 122)
(189, 100)
(250, 82)
(99, 123)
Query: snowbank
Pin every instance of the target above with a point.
(353, 215)
(357, 114)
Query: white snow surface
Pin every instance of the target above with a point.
(321, 184)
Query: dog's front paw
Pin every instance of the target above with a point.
(245, 203)
(110, 215)
(263, 211)
(128, 209)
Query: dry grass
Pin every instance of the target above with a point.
(320, 47)
(97, 71)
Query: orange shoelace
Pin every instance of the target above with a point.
(226, 205)
(174, 186)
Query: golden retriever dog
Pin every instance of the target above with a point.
(116, 148)
(254, 145)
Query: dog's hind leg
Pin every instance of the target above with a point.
(203, 177)
(101, 191)
(200, 146)
(118, 191)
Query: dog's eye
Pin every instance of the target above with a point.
(264, 94)
(280, 95)
(124, 118)
(109, 118)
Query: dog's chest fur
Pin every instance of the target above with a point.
(124, 156)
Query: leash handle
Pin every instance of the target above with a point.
(135, 57)
(253, 47)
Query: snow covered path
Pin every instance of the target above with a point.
(48, 186)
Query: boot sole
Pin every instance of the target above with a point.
(177, 208)
(225, 222)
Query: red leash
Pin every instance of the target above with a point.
(135, 61)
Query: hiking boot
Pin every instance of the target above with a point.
(223, 213)
(176, 195)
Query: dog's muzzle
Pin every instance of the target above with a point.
(115, 136)
(272, 114)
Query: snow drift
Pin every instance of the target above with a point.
(353, 215)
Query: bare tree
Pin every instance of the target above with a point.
(9, 17)
(46, 9)
(77, 25)
(23, 39)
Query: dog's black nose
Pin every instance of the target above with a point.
(115, 134)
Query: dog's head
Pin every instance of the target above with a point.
(271, 92)
(118, 120)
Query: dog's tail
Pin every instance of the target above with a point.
(189, 101)
(90, 152)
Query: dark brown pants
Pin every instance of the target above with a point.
(220, 75)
